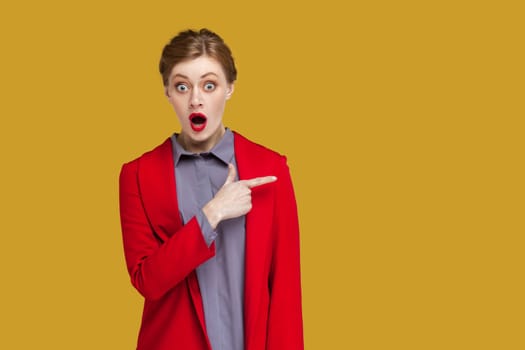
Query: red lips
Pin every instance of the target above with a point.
(197, 121)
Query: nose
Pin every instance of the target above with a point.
(195, 99)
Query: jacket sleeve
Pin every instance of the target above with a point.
(285, 325)
(155, 265)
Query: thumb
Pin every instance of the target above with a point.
(231, 174)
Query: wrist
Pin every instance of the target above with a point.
(211, 214)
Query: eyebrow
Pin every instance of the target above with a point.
(202, 76)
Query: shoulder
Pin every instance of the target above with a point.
(155, 156)
(247, 147)
(254, 159)
(160, 151)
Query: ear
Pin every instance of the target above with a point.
(229, 92)
(166, 91)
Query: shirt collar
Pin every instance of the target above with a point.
(223, 150)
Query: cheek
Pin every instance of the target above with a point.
(175, 102)
(178, 107)
(219, 102)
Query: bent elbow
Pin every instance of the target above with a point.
(148, 290)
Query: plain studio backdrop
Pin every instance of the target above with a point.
(402, 122)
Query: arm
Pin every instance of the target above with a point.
(156, 266)
(285, 325)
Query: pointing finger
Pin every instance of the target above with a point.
(258, 181)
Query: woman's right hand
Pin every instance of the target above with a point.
(234, 198)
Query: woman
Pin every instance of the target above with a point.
(209, 220)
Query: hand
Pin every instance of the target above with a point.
(234, 198)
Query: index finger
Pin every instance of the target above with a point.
(258, 181)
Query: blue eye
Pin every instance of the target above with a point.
(181, 87)
(209, 86)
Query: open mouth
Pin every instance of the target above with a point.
(197, 121)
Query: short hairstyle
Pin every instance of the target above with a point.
(190, 44)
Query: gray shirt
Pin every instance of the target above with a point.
(221, 278)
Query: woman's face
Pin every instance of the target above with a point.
(198, 91)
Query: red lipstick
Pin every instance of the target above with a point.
(197, 121)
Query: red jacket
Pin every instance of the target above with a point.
(162, 254)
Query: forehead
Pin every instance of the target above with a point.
(197, 67)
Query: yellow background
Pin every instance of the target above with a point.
(402, 122)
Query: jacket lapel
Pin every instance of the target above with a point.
(159, 193)
(258, 231)
(157, 181)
